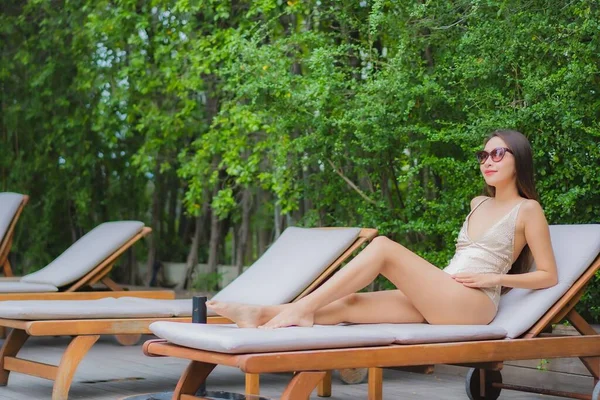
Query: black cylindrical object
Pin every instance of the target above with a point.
(199, 317)
(199, 309)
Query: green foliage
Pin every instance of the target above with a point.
(543, 365)
(208, 282)
(337, 113)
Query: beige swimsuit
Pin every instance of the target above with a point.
(491, 254)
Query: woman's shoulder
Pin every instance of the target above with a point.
(475, 201)
(531, 214)
(530, 206)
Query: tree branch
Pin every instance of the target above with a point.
(351, 184)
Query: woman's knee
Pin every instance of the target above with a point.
(351, 299)
(383, 244)
(389, 252)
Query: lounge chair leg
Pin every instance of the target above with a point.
(192, 378)
(484, 384)
(7, 269)
(302, 384)
(353, 376)
(71, 358)
(16, 339)
(128, 340)
(253, 384)
(324, 388)
(375, 384)
(583, 327)
(593, 365)
(112, 285)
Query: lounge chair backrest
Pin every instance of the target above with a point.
(575, 248)
(289, 266)
(86, 253)
(9, 204)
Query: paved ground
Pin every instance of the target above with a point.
(111, 371)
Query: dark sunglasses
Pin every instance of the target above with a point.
(497, 154)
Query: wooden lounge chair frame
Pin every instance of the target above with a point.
(7, 241)
(86, 332)
(97, 275)
(313, 368)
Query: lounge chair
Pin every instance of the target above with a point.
(87, 262)
(515, 334)
(294, 265)
(11, 206)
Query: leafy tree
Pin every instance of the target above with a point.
(221, 123)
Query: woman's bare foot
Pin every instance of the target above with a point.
(244, 315)
(292, 315)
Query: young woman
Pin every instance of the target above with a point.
(493, 250)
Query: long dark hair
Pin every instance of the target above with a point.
(523, 155)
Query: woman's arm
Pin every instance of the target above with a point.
(537, 236)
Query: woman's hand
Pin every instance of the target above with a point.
(477, 280)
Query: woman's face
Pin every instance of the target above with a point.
(500, 172)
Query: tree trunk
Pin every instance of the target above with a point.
(185, 224)
(192, 258)
(213, 245)
(233, 251)
(263, 239)
(171, 233)
(160, 230)
(72, 225)
(277, 220)
(244, 232)
(152, 239)
(263, 233)
(132, 267)
(225, 226)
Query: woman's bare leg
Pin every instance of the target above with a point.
(438, 297)
(432, 292)
(355, 308)
(392, 305)
(245, 315)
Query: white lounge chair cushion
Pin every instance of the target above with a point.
(9, 204)
(82, 309)
(176, 308)
(575, 248)
(86, 253)
(25, 287)
(425, 333)
(289, 266)
(230, 339)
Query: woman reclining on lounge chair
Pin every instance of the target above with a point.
(494, 249)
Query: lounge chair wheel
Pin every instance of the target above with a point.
(128, 340)
(353, 376)
(473, 386)
(596, 392)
